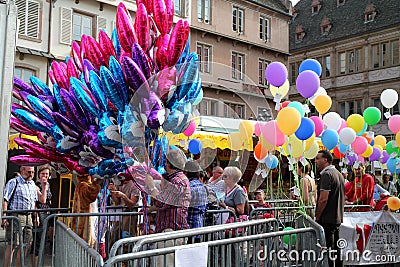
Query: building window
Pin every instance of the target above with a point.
(203, 11)
(341, 2)
(346, 108)
(385, 54)
(208, 107)
(326, 26)
(28, 17)
(395, 51)
(204, 54)
(264, 28)
(181, 8)
(354, 61)
(25, 75)
(369, 13)
(342, 63)
(326, 66)
(300, 33)
(264, 114)
(262, 65)
(237, 66)
(81, 24)
(315, 6)
(237, 20)
(234, 110)
(293, 72)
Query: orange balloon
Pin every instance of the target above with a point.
(260, 152)
(393, 203)
(369, 139)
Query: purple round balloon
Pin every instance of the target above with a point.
(385, 157)
(352, 158)
(376, 154)
(307, 83)
(276, 74)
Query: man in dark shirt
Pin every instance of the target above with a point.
(330, 204)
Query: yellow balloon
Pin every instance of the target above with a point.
(246, 129)
(234, 141)
(398, 139)
(265, 144)
(368, 152)
(312, 152)
(296, 146)
(379, 147)
(309, 142)
(393, 203)
(323, 103)
(282, 90)
(288, 120)
(356, 122)
(380, 140)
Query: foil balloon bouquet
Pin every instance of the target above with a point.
(113, 98)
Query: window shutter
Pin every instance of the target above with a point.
(101, 24)
(33, 19)
(187, 8)
(240, 13)
(21, 11)
(66, 25)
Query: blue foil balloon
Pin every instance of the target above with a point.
(116, 43)
(41, 108)
(32, 121)
(57, 96)
(96, 88)
(118, 74)
(111, 88)
(40, 86)
(81, 94)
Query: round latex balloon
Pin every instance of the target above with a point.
(376, 154)
(380, 140)
(343, 148)
(288, 120)
(306, 129)
(337, 153)
(398, 139)
(309, 142)
(367, 153)
(389, 98)
(320, 91)
(311, 64)
(356, 122)
(298, 106)
(284, 104)
(259, 152)
(195, 146)
(347, 136)
(391, 165)
(332, 120)
(330, 138)
(265, 144)
(391, 147)
(307, 83)
(276, 74)
(246, 129)
(352, 158)
(319, 125)
(385, 157)
(235, 141)
(312, 152)
(257, 128)
(393, 203)
(272, 133)
(372, 115)
(323, 103)
(289, 239)
(359, 145)
(282, 90)
(271, 161)
(364, 129)
(394, 124)
(296, 146)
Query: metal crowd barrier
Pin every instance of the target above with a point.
(71, 250)
(358, 208)
(197, 235)
(264, 249)
(15, 227)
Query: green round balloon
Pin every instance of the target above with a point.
(372, 115)
(391, 147)
(289, 239)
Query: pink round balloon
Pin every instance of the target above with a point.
(319, 125)
(359, 145)
(273, 134)
(394, 124)
(190, 129)
(257, 128)
(344, 125)
(361, 159)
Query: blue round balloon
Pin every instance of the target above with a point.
(306, 129)
(195, 146)
(311, 64)
(271, 162)
(343, 148)
(330, 138)
(297, 105)
(363, 130)
(391, 165)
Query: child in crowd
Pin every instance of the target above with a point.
(260, 197)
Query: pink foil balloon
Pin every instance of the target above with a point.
(319, 125)
(142, 27)
(169, 7)
(93, 52)
(76, 54)
(59, 75)
(177, 42)
(51, 76)
(161, 51)
(394, 124)
(160, 16)
(166, 79)
(71, 69)
(125, 30)
(106, 46)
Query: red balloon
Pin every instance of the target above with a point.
(284, 105)
(337, 153)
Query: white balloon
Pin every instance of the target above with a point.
(332, 120)
(389, 98)
(347, 136)
(320, 91)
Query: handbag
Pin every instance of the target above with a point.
(234, 231)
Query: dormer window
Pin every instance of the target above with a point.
(341, 2)
(326, 26)
(315, 6)
(369, 13)
(300, 33)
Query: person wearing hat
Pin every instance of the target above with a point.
(198, 193)
(172, 201)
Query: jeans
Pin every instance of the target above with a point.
(332, 237)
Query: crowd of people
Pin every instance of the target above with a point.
(185, 193)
